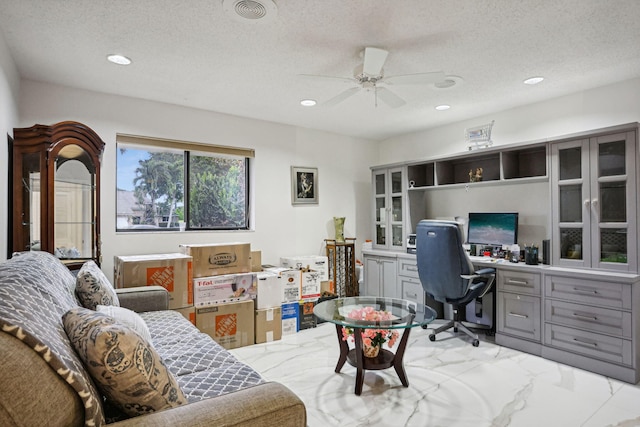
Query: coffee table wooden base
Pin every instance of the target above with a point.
(384, 360)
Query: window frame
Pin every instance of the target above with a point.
(188, 149)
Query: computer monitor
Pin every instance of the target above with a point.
(492, 228)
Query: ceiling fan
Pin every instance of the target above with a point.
(370, 76)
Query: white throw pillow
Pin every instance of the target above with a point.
(127, 317)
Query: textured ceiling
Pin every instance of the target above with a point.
(193, 53)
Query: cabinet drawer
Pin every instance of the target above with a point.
(519, 282)
(602, 293)
(408, 268)
(412, 290)
(590, 344)
(519, 315)
(594, 319)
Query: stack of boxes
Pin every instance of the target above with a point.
(305, 276)
(221, 289)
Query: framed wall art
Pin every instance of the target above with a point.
(304, 186)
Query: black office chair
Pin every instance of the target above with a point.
(446, 272)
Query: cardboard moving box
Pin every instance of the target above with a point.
(171, 271)
(214, 259)
(231, 324)
(224, 288)
(290, 313)
(268, 325)
(319, 263)
(269, 290)
(189, 313)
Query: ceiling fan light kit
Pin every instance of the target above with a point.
(370, 76)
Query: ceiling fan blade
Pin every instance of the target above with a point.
(389, 98)
(334, 78)
(374, 59)
(415, 79)
(341, 97)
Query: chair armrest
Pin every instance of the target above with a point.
(265, 405)
(485, 271)
(144, 298)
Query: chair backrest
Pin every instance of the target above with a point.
(442, 259)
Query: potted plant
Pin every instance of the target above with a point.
(372, 339)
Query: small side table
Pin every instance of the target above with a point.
(404, 315)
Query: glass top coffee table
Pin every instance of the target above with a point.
(367, 320)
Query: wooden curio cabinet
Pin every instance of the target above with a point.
(56, 191)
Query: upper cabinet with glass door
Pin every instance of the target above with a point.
(388, 201)
(56, 191)
(594, 199)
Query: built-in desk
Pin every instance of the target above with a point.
(581, 317)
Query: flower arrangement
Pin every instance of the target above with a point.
(371, 337)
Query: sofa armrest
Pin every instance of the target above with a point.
(144, 298)
(265, 405)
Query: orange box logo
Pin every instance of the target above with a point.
(226, 325)
(162, 276)
(307, 308)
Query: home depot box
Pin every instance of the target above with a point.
(269, 290)
(317, 263)
(189, 313)
(289, 317)
(230, 324)
(306, 318)
(171, 271)
(224, 288)
(268, 324)
(215, 259)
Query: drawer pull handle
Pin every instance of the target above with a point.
(518, 282)
(584, 316)
(586, 290)
(521, 316)
(589, 343)
(412, 268)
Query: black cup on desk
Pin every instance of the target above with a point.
(531, 255)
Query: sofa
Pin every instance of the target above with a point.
(45, 378)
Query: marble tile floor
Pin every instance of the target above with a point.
(451, 384)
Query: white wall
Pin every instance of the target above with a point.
(280, 228)
(9, 85)
(592, 109)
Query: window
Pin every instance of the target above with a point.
(170, 185)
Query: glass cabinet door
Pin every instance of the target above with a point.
(572, 187)
(388, 200)
(593, 190)
(380, 200)
(74, 204)
(613, 187)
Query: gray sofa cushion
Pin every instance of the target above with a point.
(35, 291)
(202, 367)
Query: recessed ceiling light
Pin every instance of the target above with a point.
(533, 80)
(308, 102)
(118, 59)
(443, 107)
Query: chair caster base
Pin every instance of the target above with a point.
(476, 343)
(432, 337)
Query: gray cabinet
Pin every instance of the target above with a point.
(519, 305)
(389, 192)
(588, 322)
(380, 276)
(593, 189)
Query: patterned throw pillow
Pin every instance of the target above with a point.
(126, 368)
(128, 317)
(93, 287)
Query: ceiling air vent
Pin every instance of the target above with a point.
(251, 10)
